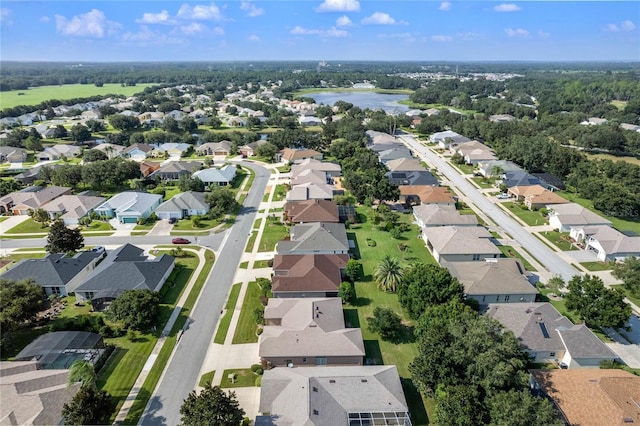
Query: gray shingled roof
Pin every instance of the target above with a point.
(313, 237)
(184, 201)
(54, 270)
(582, 343)
(496, 276)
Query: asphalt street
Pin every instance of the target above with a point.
(181, 374)
(547, 258)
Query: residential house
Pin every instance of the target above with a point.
(631, 127)
(415, 178)
(501, 118)
(129, 206)
(594, 121)
(148, 167)
(519, 178)
(311, 191)
(382, 147)
(56, 273)
(442, 215)
(137, 151)
(431, 111)
(379, 138)
(394, 154)
(329, 396)
(222, 148)
(311, 211)
(564, 216)
(315, 238)
(332, 170)
(549, 181)
(10, 154)
(308, 333)
(125, 268)
(535, 196)
(501, 280)
(71, 208)
(30, 198)
(444, 139)
(424, 194)
(609, 244)
(307, 121)
(216, 177)
(182, 205)
(29, 176)
(33, 396)
(291, 155)
(112, 150)
(405, 165)
(307, 275)
(459, 243)
(473, 152)
(592, 396)
(317, 177)
(58, 152)
(171, 149)
(173, 170)
(549, 337)
(250, 149)
(496, 168)
(60, 349)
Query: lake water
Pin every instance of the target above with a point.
(387, 102)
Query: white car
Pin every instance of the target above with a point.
(502, 196)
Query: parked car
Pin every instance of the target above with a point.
(502, 196)
(98, 249)
(180, 241)
(173, 220)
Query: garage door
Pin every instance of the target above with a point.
(129, 220)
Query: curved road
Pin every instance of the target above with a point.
(547, 258)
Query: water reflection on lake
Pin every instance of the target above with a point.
(371, 100)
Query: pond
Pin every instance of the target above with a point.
(387, 102)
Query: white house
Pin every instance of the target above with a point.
(564, 216)
(183, 205)
(609, 244)
(129, 206)
(219, 177)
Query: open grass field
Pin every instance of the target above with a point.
(36, 95)
(632, 160)
(246, 328)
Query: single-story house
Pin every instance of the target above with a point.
(415, 178)
(631, 127)
(307, 275)
(125, 268)
(442, 215)
(10, 154)
(317, 177)
(56, 273)
(291, 155)
(307, 333)
(171, 149)
(394, 154)
(413, 195)
(496, 168)
(137, 151)
(42, 404)
(315, 238)
(594, 121)
(222, 148)
(172, 170)
(309, 121)
(71, 208)
(328, 396)
(250, 149)
(592, 396)
(30, 198)
(379, 138)
(519, 178)
(112, 150)
(549, 337)
(501, 118)
(330, 169)
(59, 349)
(29, 176)
(183, 205)
(535, 196)
(382, 147)
(311, 211)
(459, 244)
(56, 152)
(564, 216)
(609, 244)
(148, 167)
(311, 191)
(444, 139)
(129, 206)
(218, 177)
(502, 280)
(405, 165)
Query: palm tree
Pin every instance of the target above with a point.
(388, 274)
(83, 372)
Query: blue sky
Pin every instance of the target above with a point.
(333, 30)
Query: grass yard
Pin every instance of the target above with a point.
(139, 233)
(19, 256)
(145, 227)
(251, 242)
(509, 251)
(225, 321)
(620, 223)
(466, 169)
(29, 226)
(170, 191)
(597, 266)
(262, 264)
(557, 303)
(530, 217)
(244, 265)
(247, 327)
(242, 378)
(483, 182)
(559, 239)
(36, 95)
(284, 169)
(271, 234)
(206, 378)
(3, 218)
(258, 223)
(187, 225)
(280, 192)
(97, 225)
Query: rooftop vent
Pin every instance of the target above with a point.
(331, 381)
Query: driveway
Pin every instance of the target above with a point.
(629, 354)
(12, 221)
(580, 256)
(162, 227)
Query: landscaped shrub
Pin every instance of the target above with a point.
(258, 381)
(254, 367)
(371, 243)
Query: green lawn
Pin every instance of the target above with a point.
(484, 182)
(530, 217)
(170, 191)
(271, 234)
(145, 227)
(284, 169)
(258, 223)
(206, 378)
(280, 192)
(509, 251)
(225, 321)
(246, 328)
(36, 95)
(187, 225)
(3, 218)
(29, 226)
(559, 239)
(597, 266)
(559, 304)
(244, 377)
(467, 169)
(244, 265)
(251, 242)
(620, 223)
(97, 225)
(262, 264)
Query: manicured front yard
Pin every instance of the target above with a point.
(262, 264)
(597, 266)
(247, 326)
(483, 182)
(238, 378)
(273, 232)
(29, 226)
(530, 217)
(187, 225)
(206, 378)
(280, 193)
(560, 240)
(509, 251)
(466, 169)
(251, 242)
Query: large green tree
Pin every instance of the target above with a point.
(136, 309)
(386, 323)
(629, 272)
(19, 302)
(62, 239)
(90, 406)
(597, 305)
(520, 408)
(80, 133)
(221, 200)
(212, 406)
(388, 273)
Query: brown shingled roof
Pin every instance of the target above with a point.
(312, 211)
(311, 272)
(427, 194)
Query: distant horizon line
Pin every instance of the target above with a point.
(436, 61)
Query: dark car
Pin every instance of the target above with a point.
(180, 241)
(173, 220)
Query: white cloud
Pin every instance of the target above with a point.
(339, 6)
(517, 32)
(381, 18)
(254, 38)
(543, 34)
(331, 32)
(468, 36)
(90, 24)
(201, 12)
(192, 28)
(251, 9)
(343, 21)
(507, 7)
(218, 31)
(612, 27)
(442, 38)
(154, 18)
(445, 6)
(44, 19)
(627, 26)
(4, 14)
(148, 37)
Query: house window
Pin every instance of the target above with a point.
(506, 298)
(321, 360)
(552, 354)
(55, 290)
(476, 257)
(304, 360)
